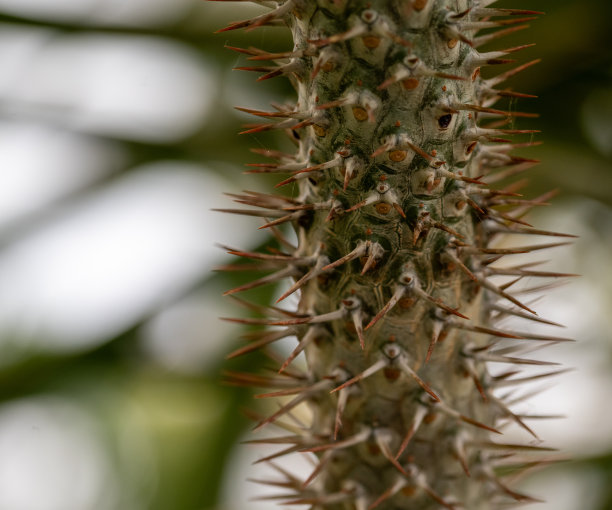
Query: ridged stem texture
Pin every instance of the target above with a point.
(398, 149)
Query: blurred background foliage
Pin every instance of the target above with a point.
(117, 136)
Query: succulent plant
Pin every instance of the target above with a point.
(399, 147)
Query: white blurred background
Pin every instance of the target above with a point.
(117, 138)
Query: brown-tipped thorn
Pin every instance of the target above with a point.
(314, 271)
(399, 293)
(487, 331)
(492, 357)
(468, 365)
(283, 219)
(409, 371)
(503, 380)
(512, 93)
(356, 316)
(516, 313)
(345, 443)
(522, 272)
(304, 395)
(459, 451)
(357, 252)
(466, 419)
(499, 291)
(419, 415)
(341, 405)
(306, 339)
(439, 303)
(508, 74)
(438, 329)
(461, 265)
(358, 205)
(481, 109)
(323, 460)
(379, 365)
(490, 445)
(383, 148)
(370, 263)
(480, 40)
(532, 231)
(259, 113)
(516, 418)
(382, 441)
(269, 337)
(390, 492)
(344, 36)
(397, 207)
(332, 104)
(278, 275)
(519, 12)
(478, 424)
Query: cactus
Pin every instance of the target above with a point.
(399, 146)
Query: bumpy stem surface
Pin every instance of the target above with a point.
(398, 144)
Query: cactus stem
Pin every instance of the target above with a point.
(399, 143)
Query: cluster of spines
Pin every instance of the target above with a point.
(346, 139)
